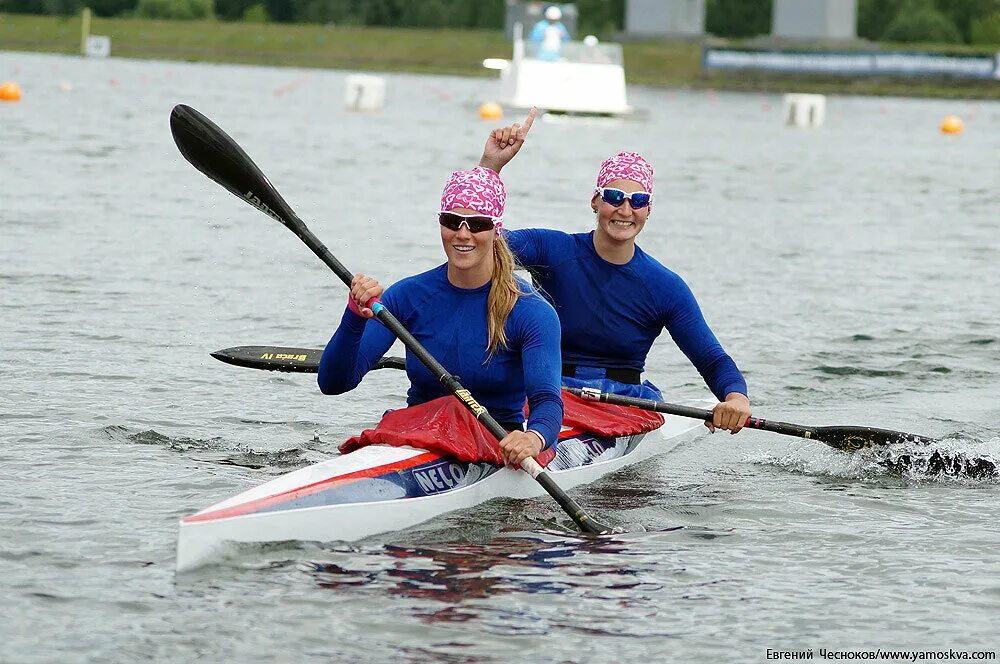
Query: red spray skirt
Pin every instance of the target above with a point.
(446, 427)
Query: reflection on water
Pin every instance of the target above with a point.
(462, 572)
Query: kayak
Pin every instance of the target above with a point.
(380, 488)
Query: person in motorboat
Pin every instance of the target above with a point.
(614, 299)
(482, 322)
(549, 34)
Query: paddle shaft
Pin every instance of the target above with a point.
(213, 152)
(687, 411)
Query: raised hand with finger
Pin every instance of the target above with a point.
(505, 142)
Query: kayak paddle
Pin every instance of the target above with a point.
(213, 152)
(847, 438)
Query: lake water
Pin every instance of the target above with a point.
(851, 271)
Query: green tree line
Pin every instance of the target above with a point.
(939, 21)
(596, 16)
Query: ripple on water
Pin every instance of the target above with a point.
(216, 450)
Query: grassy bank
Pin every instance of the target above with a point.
(418, 51)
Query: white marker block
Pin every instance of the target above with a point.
(364, 92)
(98, 46)
(804, 110)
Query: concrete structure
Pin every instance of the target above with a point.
(665, 18)
(815, 19)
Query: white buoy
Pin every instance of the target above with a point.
(364, 92)
(804, 110)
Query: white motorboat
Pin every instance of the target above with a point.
(587, 78)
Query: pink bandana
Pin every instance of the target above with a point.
(479, 189)
(626, 166)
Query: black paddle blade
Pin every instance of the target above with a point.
(214, 153)
(851, 439)
(272, 358)
(289, 360)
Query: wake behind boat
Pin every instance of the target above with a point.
(379, 489)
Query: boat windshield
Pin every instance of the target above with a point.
(575, 51)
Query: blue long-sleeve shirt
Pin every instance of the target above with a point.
(611, 314)
(451, 323)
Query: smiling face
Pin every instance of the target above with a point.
(470, 255)
(620, 224)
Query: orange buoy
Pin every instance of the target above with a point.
(952, 125)
(10, 91)
(490, 111)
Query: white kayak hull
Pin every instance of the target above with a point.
(379, 489)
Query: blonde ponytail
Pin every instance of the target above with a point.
(503, 294)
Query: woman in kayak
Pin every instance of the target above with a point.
(473, 314)
(614, 299)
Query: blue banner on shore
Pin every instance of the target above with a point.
(853, 63)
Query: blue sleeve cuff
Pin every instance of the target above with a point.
(735, 387)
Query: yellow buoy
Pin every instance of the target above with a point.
(951, 125)
(10, 91)
(490, 110)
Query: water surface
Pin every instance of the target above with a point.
(850, 271)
